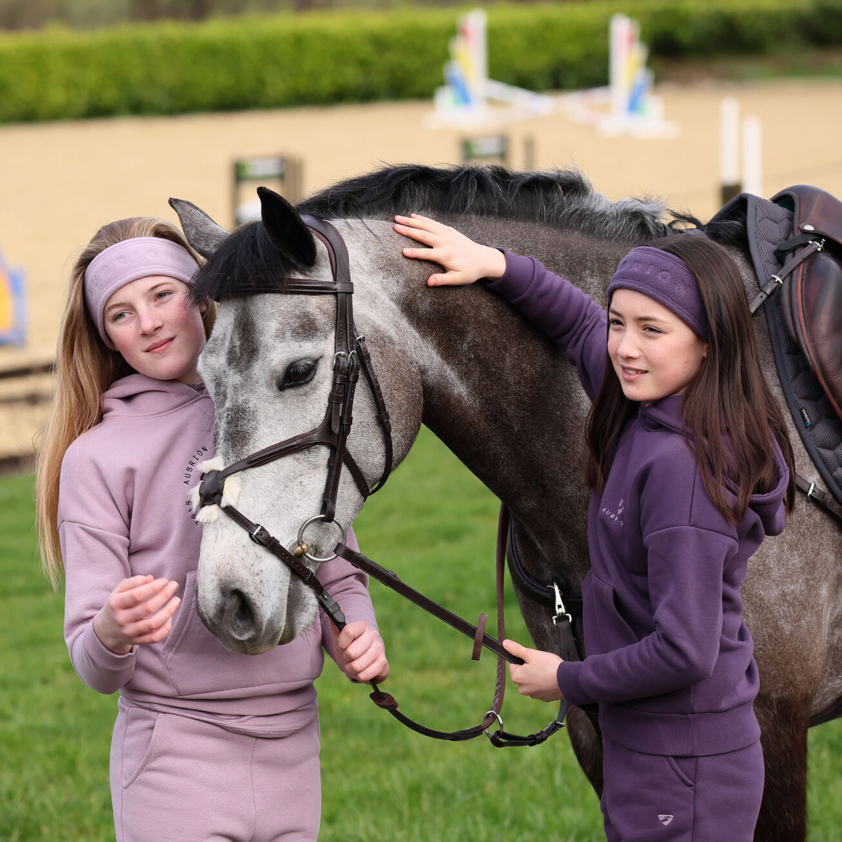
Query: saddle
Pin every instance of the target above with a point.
(811, 292)
(795, 243)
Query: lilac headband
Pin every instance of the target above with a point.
(668, 280)
(127, 261)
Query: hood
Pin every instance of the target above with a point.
(768, 506)
(139, 395)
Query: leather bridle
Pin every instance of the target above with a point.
(351, 357)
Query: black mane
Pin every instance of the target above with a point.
(248, 262)
(556, 197)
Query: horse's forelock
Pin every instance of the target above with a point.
(245, 260)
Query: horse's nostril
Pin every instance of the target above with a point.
(240, 614)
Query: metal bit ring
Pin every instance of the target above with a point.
(302, 543)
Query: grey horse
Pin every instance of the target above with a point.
(497, 393)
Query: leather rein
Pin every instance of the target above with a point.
(351, 358)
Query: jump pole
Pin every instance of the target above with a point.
(633, 109)
(463, 101)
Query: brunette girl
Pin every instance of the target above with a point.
(690, 468)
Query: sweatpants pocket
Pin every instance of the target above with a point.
(684, 769)
(139, 743)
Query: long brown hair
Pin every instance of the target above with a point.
(729, 414)
(84, 370)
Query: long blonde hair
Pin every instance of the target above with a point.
(84, 370)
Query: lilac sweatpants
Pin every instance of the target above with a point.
(178, 778)
(650, 798)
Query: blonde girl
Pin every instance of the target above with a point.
(208, 744)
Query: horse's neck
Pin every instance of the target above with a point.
(498, 393)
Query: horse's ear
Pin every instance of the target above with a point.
(285, 227)
(203, 234)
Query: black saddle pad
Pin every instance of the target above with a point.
(767, 225)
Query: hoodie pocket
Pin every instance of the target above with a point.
(198, 664)
(614, 632)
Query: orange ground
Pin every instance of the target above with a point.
(60, 181)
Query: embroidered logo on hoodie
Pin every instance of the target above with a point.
(615, 515)
(665, 820)
(199, 456)
(189, 477)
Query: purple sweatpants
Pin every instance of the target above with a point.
(178, 778)
(650, 798)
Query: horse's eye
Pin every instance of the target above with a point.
(297, 374)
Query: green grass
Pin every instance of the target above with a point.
(435, 525)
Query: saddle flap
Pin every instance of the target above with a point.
(816, 311)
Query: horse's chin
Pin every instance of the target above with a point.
(240, 647)
(287, 636)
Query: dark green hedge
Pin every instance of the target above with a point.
(319, 58)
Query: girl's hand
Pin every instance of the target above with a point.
(360, 652)
(464, 261)
(138, 611)
(536, 677)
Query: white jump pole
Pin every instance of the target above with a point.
(729, 149)
(752, 156)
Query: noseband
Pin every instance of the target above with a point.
(350, 357)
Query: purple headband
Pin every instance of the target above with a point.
(668, 280)
(127, 261)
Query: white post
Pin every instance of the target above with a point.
(729, 149)
(752, 156)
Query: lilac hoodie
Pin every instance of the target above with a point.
(124, 510)
(670, 659)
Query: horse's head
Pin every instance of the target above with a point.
(273, 366)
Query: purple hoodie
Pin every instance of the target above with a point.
(124, 510)
(669, 656)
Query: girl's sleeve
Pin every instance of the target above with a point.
(566, 314)
(95, 548)
(349, 587)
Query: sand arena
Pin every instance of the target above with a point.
(61, 181)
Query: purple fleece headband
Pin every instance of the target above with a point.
(127, 261)
(668, 280)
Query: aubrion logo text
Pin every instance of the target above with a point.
(190, 474)
(617, 516)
